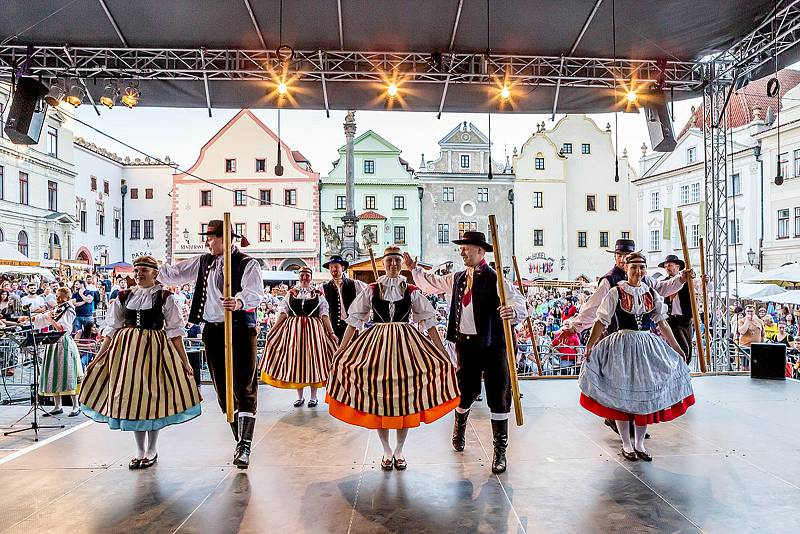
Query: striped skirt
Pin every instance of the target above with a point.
(139, 383)
(62, 371)
(391, 376)
(297, 354)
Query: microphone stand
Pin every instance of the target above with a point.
(35, 426)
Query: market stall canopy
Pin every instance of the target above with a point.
(45, 274)
(10, 256)
(758, 291)
(278, 276)
(121, 265)
(785, 275)
(448, 54)
(788, 297)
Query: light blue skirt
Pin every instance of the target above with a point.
(635, 372)
(144, 424)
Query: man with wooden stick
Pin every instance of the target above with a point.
(208, 306)
(679, 307)
(476, 327)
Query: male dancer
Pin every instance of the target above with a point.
(208, 306)
(340, 292)
(588, 313)
(679, 307)
(476, 328)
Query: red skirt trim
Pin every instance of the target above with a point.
(661, 416)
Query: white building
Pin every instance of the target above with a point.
(675, 181)
(782, 202)
(278, 214)
(37, 184)
(114, 227)
(568, 209)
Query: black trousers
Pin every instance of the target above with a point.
(245, 370)
(683, 335)
(474, 361)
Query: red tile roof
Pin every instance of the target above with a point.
(299, 157)
(740, 108)
(372, 215)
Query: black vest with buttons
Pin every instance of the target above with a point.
(238, 263)
(152, 319)
(685, 317)
(485, 301)
(614, 277)
(381, 309)
(332, 296)
(303, 307)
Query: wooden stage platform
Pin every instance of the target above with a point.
(730, 465)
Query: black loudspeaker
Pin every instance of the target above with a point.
(27, 113)
(768, 360)
(659, 123)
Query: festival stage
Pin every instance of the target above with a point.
(729, 465)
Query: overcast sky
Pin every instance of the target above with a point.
(180, 133)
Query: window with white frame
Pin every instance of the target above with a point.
(340, 202)
(625, 235)
(52, 141)
(566, 148)
(691, 154)
(603, 239)
(694, 235)
(783, 163)
(586, 148)
(448, 194)
(369, 166)
(797, 222)
(538, 199)
(734, 185)
(612, 202)
(734, 231)
(655, 201)
(443, 232)
(400, 235)
(582, 242)
(683, 197)
(783, 223)
(538, 238)
(483, 194)
(465, 161)
(240, 197)
(399, 202)
(695, 192)
(369, 202)
(538, 164)
(655, 241)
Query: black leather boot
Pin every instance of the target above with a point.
(500, 440)
(459, 431)
(235, 428)
(241, 457)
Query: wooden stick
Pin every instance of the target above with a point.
(374, 266)
(511, 350)
(692, 297)
(226, 292)
(528, 322)
(704, 286)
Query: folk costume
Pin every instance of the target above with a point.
(299, 348)
(62, 371)
(206, 271)
(340, 295)
(476, 329)
(632, 374)
(679, 306)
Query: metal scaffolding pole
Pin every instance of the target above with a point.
(715, 134)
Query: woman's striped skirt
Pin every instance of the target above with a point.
(391, 376)
(62, 371)
(139, 383)
(297, 354)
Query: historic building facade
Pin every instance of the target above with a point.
(459, 196)
(278, 214)
(568, 208)
(387, 197)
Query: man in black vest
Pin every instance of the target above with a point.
(208, 306)
(680, 306)
(340, 292)
(476, 327)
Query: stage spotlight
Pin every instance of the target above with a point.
(109, 96)
(75, 95)
(391, 91)
(130, 96)
(55, 94)
(282, 89)
(631, 97)
(505, 93)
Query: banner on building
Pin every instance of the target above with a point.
(701, 213)
(667, 230)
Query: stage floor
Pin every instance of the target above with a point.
(729, 465)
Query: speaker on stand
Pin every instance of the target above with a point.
(27, 113)
(659, 123)
(768, 360)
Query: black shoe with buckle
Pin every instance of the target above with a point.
(500, 441)
(630, 456)
(400, 463)
(387, 464)
(459, 431)
(134, 464)
(144, 463)
(313, 403)
(643, 455)
(299, 402)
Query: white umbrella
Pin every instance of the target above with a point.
(755, 291)
(788, 297)
(785, 275)
(41, 271)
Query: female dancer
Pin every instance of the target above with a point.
(633, 375)
(141, 379)
(300, 345)
(62, 371)
(391, 376)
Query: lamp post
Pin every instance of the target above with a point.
(563, 261)
(124, 191)
(186, 235)
(751, 257)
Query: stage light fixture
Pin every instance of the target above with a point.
(282, 89)
(130, 96)
(391, 91)
(109, 97)
(75, 95)
(505, 92)
(55, 94)
(631, 97)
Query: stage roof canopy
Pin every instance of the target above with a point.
(191, 53)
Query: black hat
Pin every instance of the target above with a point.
(624, 245)
(474, 238)
(336, 259)
(214, 228)
(672, 258)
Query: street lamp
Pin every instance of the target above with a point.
(563, 262)
(751, 257)
(186, 235)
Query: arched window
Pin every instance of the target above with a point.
(2, 235)
(22, 242)
(55, 247)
